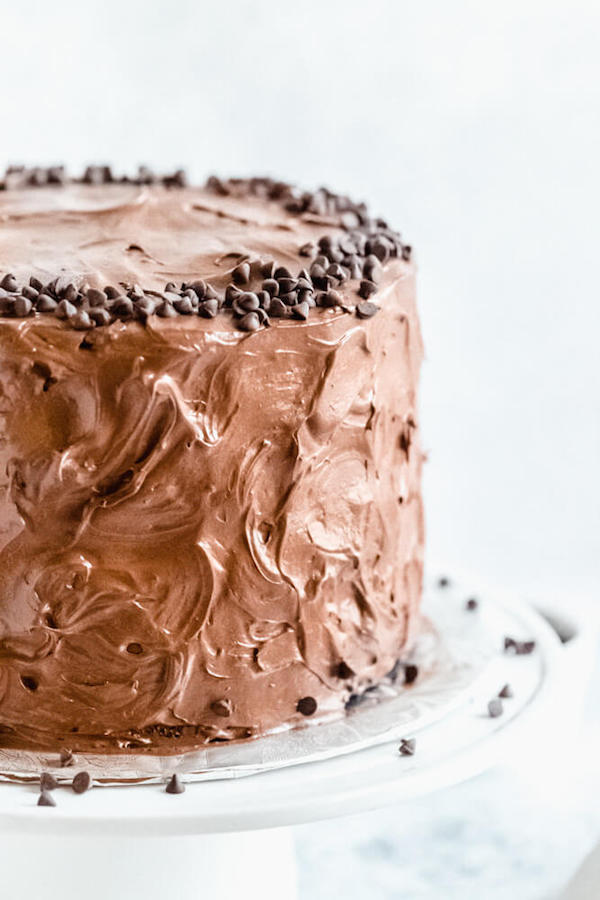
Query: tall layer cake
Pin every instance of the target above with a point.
(210, 512)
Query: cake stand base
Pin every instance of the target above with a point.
(255, 865)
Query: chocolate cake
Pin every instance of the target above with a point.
(210, 513)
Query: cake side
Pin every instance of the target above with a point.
(205, 534)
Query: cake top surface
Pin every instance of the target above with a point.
(94, 250)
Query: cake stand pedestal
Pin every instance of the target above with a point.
(222, 839)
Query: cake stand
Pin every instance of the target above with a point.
(222, 838)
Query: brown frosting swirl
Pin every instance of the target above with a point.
(197, 525)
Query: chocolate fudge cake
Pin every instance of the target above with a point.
(211, 521)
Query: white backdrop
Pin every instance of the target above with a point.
(473, 126)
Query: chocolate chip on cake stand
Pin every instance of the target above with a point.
(175, 785)
(407, 747)
(82, 782)
(48, 782)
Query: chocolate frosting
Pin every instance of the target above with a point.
(199, 528)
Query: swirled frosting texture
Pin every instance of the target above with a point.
(197, 526)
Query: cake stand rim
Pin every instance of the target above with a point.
(284, 797)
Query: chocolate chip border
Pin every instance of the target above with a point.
(257, 291)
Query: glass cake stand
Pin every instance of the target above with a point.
(228, 833)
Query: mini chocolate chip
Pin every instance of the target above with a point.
(82, 782)
(22, 307)
(282, 272)
(518, 648)
(46, 799)
(211, 294)
(122, 306)
(241, 273)
(271, 286)
(93, 175)
(208, 308)
(372, 268)
(304, 284)
(410, 673)
(45, 303)
(135, 648)
(81, 321)
(165, 310)
(50, 288)
(278, 308)
(111, 292)
(301, 310)
(506, 693)
(443, 582)
(184, 306)
(199, 288)
(407, 747)
(307, 706)
(29, 292)
(289, 299)
(325, 243)
(9, 283)
(495, 708)
(347, 245)
(286, 285)
(65, 310)
(471, 604)
(329, 299)
(365, 309)
(248, 301)
(344, 671)
(146, 307)
(231, 294)
(367, 289)
(100, 315)
(336, 271)
(170, 286)
(307, 249)
(36, 284)
(406, 252)
(350, 219)
(267, 269)
(29, 682)
(306, 296)
(175, 785)
(69, 292)
(264, 298)
(96, 297)
(221, 708)
(249, 322)
(48, 782)
(354, 268)
(380, 248)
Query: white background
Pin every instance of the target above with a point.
(474, 127)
